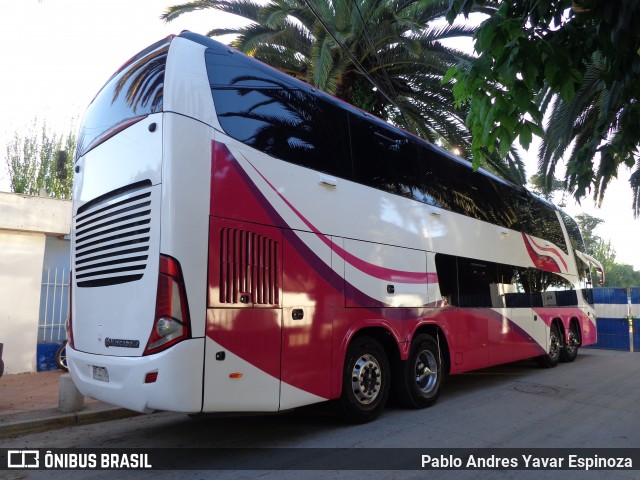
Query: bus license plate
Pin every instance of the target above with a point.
(101, 374)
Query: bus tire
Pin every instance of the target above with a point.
(61, 357)
(552, 358)
(365, 381)
(420, 379)
(569, 350)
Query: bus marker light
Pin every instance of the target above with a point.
(235, 375)
(151, 377)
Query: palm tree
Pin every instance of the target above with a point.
(386, 57)
(594, 123)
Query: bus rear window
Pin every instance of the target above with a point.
(132, 93)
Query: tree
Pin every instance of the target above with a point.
(579, 61)
(541, 187)
(386, 57)
(588, 223)
(40, 158)
(617, 274)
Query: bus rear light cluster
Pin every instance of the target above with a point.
(171, 324)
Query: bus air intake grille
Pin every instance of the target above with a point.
(112, 234)
(249, 270)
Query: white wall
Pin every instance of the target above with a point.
(24, 223)
(35, 214)
(20, 275)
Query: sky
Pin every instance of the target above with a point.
(57, 54)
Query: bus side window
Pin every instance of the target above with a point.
(382, 158)
(474, 282)
(447, 269)
(267, 112)
(512, 281)
(551, 290)
(544, 224)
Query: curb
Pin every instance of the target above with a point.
(62, 420)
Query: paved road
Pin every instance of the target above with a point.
(591, 403)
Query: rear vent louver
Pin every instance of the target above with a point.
(112, 237)
(248, 268)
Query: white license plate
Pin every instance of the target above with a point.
(101, 374)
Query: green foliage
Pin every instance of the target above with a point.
(542, 187)
(40, 158)
(616, 274)
(588, 224)
(345, 47)
(586, 55)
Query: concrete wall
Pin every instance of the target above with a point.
(25, 222)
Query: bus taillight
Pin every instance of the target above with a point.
(171, 323)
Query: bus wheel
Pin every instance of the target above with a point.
(569, 351)
(419, 382)
(61, 357)
(552, 358)
(365, 381)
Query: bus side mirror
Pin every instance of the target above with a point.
(600, 276)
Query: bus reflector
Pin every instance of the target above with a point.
(235, 375)
(151, 377)
(69, 326)
(171, 323)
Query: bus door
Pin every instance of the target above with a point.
(244, 317)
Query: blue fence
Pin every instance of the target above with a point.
(53, 315)
(634, 294)
(613, 307)
(610, 296)
(613, 334)
(46, 356)
(634, 298)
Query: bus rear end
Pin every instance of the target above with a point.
(131, 333)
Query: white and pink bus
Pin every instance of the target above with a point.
(243, 242)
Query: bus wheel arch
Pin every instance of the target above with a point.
(366, 374)
(417, 382)
(441, 339)
(365, 380)
(556, 342)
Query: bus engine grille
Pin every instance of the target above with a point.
(249, 270)
(112, 236)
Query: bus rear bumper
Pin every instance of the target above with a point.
(128, 381)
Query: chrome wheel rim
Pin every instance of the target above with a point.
(426, 372)
(554, 348)
(366, 379)
(572, 345)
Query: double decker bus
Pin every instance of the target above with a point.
(243, 242)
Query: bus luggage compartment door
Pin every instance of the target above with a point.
(244, 317)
